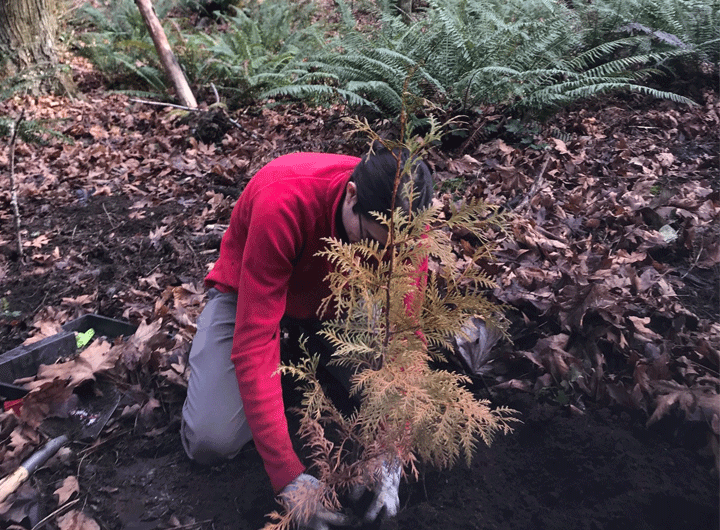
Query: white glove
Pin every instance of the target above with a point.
(385, 490)
(303, 499)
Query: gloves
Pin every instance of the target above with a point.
(303, 500)
(384, 489)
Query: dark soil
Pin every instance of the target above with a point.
(602, 470)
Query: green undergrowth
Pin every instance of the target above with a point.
(529, 56)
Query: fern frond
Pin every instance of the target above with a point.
(32, 131)
(317, 91)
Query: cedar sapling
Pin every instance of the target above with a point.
(393, 321)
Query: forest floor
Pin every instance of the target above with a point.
(611, 278)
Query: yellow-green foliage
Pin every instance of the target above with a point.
(397, 308)
(407, 407)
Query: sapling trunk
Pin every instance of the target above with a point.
(391, 246)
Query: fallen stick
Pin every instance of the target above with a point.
(57, 512)
(537, 184)
(13, 189)
(163, 104)
(167, 57)
(191, 525)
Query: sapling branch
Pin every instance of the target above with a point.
(13, 188)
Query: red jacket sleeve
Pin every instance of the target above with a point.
(273, 240)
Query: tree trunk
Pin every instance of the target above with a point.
(27, 35)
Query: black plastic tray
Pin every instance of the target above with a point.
(24, 361)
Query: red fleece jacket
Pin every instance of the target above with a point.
(268, 256)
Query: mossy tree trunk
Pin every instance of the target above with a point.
(27, 37)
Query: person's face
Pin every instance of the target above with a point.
(358, 226)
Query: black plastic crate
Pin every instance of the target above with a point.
(24, 361)
(103, 326)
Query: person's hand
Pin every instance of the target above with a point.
(303, 500)
(385, 490)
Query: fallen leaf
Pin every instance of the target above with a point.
(76, 520)
(643, 332)
(68, 488)
(475, 343)
(137, 349)
(560, 146)
(44, 395)
(38, 242)
(700, 403)
(97, 357)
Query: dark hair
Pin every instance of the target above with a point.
(374, 177)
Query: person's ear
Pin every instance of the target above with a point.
(351, 194)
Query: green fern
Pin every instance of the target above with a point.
(533, 54)
(32, 131)
(257, 49)
(693, 23)
(118, 43)
(318, 93)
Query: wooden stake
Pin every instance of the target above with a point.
(167, 57)
(13, 189)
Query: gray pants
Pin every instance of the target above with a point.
(214, 427)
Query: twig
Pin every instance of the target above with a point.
(217, 96)
(243, 129)
(108, 216)
(194, 254)
(13, 189)
(697, 259)
(549, 234)
(80, 464)
(93, 448)
(233, 122)
(162, 104)
(191, 525)
(539, 180)
(57, 512)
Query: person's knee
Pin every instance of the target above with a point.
(210, 447)
(208, 452)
